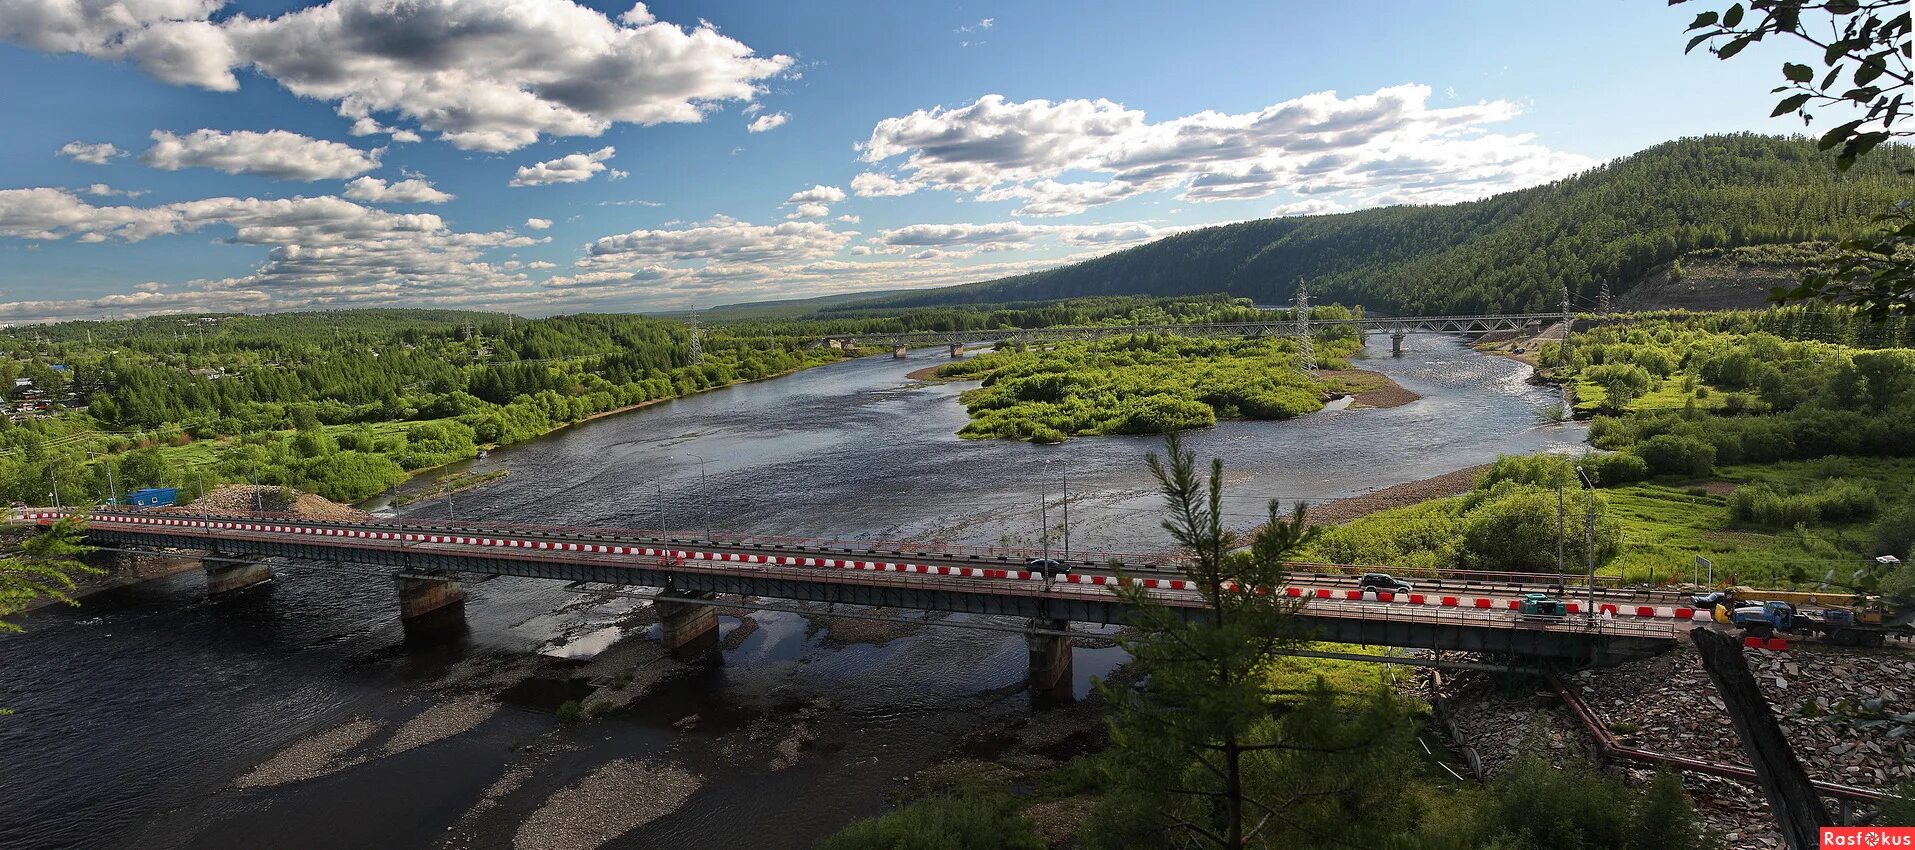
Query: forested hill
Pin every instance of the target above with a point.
(1509, 252)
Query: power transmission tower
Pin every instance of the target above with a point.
(1568, 317)
(1602, 303)
(696, 349)
(1306, 345)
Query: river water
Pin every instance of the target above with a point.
(137, 713)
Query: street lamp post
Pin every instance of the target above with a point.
(1589, 534)
(112, 488)
(704, 495)
(56, 486)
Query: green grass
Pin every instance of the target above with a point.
(1668, 394)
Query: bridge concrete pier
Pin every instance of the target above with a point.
(687, 629)
(957, 350)
(901, 352)
(1396, 344)
(1050, 665)
(227, 573)
(430, 606)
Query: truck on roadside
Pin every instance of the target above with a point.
(1869, 626)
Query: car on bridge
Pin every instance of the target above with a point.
(1384, 582)
(1048, 567)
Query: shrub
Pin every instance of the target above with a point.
(966, 820)
(569, 712)
(1612, 468)
(1513, 527)
(1667, 454)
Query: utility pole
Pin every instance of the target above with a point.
(696, 349)
(56, 486)
(1569, 318)
(1067, 511)
(448, 485)
(112, 488)
(1306, 346)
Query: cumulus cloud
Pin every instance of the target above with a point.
(720, 239)
(538, 223)
(571, 168)
(817, 195)
(488, 75)
(872, 184)
(318, 251)
(809, 211)
(413, 190)
(962, 239)
(1386, 145)
(101, 190)
(99, 153)
(1308, 206)
(770, 121)
(278, 154)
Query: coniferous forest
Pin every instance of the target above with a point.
(1513, 252)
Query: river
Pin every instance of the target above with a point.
(140, 715)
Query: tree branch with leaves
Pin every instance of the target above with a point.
(1864, 76)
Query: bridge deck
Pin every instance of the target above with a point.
(1481, 623)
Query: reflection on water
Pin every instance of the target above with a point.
(136, 711)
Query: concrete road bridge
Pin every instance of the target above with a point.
(1398, 327)
(429, 560)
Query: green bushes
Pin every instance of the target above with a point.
(1613, 468)
(1668, 454)
(968, 819)
(1536, 806)
(1837, 500)
(1513, 527)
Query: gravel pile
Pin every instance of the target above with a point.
(242, 499)
(312, 757)
(618, 797)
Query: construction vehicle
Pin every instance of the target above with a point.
(1541, 605)
(1841, 626)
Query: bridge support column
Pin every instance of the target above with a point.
(685, 628)
(901, 352)
(227, 573)
(957, 350)
(1396, 344)
(430, 606)
(1050, 665)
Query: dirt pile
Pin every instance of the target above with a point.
(244, 499)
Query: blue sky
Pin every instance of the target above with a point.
(541, 157)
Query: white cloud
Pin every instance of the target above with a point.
(616, 174)
(571, 168)
(322, 251)
(538, 223)
(963, 239)
(485, 75)
(1386, 144)
(809, 211)
(278, 154)
(91, 153)
(721, 239)
(817, 195)
(771, 121)
(413, 190)
(872, 184)
(1308, 206)
(101, 190)
(849, 219)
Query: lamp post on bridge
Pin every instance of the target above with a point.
(112, 488)
(704, 495)
(1065, 466)
(1589, 535)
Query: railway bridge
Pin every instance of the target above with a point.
(428, 561)
(1299, 324)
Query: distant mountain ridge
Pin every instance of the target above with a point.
(1618, 223)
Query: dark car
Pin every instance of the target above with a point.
(1048, 566)
(1384, 582)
